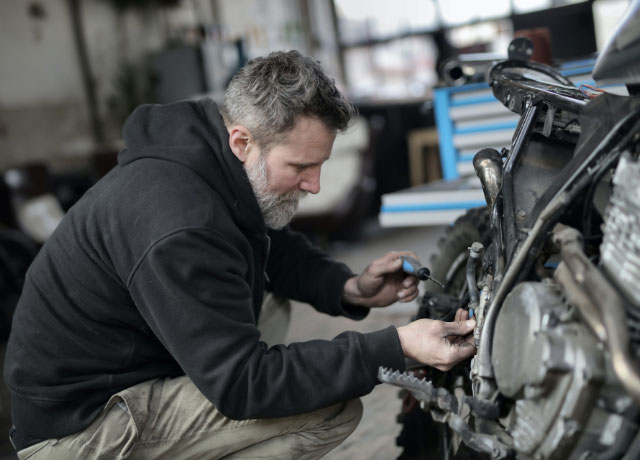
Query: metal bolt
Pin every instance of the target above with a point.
(475, 250)
(521, 214)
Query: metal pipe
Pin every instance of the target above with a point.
(601, 297)
(484, 350)
(513, 87)
(569, 100)
(488, 166)
(461, 69)
(520, 139)
(474, 255)
(497, 243)
(577, 296)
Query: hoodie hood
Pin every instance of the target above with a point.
(192, 134)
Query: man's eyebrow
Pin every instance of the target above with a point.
(304, 165)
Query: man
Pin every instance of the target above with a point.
(136, 334)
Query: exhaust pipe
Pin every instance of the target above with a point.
(488, 166)
(601, 305)
(466, 68)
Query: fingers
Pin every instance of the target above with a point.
(407, 295)
(470, 340)
(458, 340)
(409, 282)
(431, 342)
(459, 328)
(456, 354)
(409, 289)
(389, 263)
(463, 351)
(462, 314)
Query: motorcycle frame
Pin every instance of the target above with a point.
(515, 249)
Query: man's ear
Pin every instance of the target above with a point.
(239, 138)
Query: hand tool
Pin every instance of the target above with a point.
(413, 267)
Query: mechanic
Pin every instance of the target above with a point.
(136, 333)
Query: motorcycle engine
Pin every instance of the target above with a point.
(566, 401)
(620, 250)
(563, 398)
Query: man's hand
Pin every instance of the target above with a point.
(382, 283)
(437, 343)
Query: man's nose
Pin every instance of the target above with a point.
(311, 182)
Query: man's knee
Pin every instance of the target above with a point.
(346, 420)
(353, 411)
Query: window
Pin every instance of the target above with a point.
(361, 21)
(465, 11)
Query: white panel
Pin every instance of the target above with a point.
(471, 152)
(485, 109)
(428, 197)
(487, 121)
(502, 136)
(462, 95)
(408, 219)
(465, 168)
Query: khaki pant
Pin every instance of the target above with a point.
(170, 419)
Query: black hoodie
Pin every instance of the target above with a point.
(158, 271)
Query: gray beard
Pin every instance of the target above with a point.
(277, 209)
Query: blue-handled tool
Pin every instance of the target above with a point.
(413, 267)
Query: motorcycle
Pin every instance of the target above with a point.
(550, 270)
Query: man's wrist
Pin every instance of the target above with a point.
(351, 292)
(404, 337)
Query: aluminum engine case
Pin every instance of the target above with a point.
(621, 243)
(553, 367)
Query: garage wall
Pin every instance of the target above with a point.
(43, 111)
(39, 82)
(43, 104)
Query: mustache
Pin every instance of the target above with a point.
(294, 195)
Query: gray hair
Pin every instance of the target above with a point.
(269, 94)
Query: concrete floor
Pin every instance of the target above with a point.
(374, 439)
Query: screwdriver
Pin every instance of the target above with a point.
(413, 267)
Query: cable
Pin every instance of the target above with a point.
(590, 95)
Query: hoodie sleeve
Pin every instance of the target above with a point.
(191, 289)
(298, 270)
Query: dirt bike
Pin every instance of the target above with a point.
(550, 269)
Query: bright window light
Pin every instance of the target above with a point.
(371, 19)
(454, 12)
(526, 6)
(606, 16)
